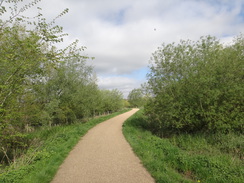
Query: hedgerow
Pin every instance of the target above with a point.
(197, 86)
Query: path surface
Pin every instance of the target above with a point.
(103, 156)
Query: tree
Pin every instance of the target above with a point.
(196, 86)
(136, 98)
(112, 100)
(27, 58)
(126, 104)
(41, 85)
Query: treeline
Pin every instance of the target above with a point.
(41, 85)
(136, 98)
(196, 86)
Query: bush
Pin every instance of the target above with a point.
(197, 86)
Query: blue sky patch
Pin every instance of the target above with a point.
(116, 18)
(139, 74)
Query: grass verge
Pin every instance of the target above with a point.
(49, 149)
(187, 158)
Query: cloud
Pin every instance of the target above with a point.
(124, 84)
(122, 35)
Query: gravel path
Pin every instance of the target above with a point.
(103, 156)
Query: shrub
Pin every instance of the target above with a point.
(197, 86)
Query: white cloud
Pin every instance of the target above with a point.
(124, 84)
(124, 46)
(123, 34)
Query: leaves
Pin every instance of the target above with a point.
(136, 98)
(41, 85)
(197, 86)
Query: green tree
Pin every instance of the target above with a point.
(27, 58)
(126, 104)
(197, 86)
(136, 98)
(41, 85)
(112, 100)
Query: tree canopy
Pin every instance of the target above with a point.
(136, 98)
(197, 86)
(40, 84)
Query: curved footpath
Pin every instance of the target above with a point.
(103, 156)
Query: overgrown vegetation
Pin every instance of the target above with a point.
(40, 84)
(187, 158)
(197, 87)
(47, 151)
(136, 98)
(196, 102)
(192, 126)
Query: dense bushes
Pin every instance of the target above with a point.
(197, 86)
(136, 98)
(41, 85)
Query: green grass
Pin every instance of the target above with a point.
(187, 158)
(48, 150)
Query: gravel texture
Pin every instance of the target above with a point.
(103, 156)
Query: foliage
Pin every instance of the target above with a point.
(40, 84)
(197, 86)
(186, 158)
(126, 104)
(48, 149)
(112, 100)
(136, 98)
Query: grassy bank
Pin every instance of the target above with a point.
(187, 158)
(48, 150)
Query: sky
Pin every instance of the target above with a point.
(123, 34)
